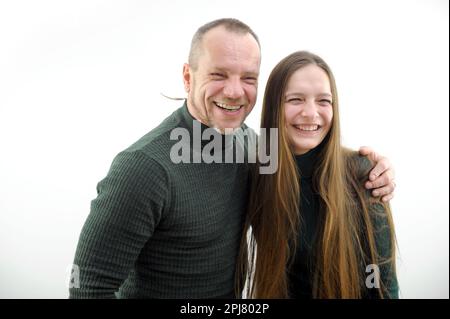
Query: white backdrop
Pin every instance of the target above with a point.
(81, 80)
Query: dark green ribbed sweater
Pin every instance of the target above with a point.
(162, 230)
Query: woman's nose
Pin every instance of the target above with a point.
(309, 109)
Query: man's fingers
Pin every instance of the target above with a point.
(365, 150)
(387, 198)
(381, 167)
(385, 190)
(381, 181)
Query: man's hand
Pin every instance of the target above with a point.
(381, 177)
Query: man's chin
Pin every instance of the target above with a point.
(227, 129)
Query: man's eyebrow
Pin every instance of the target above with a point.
(251, 73)
(218, 69)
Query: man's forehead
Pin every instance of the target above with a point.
(239, 46)
(220, 35)
(215, 62)
(221, 29)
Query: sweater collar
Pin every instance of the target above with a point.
(306, 163)
(197, 128)
(189, 120)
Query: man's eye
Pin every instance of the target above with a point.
(217, 75)
(251, 79)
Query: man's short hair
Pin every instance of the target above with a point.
(230, 24)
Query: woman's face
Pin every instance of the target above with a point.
(308, 108)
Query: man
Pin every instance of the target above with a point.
(164, 229)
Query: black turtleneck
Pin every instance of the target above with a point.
(301, 271)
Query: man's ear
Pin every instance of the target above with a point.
(186, 77)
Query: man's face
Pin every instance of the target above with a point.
(222, 90)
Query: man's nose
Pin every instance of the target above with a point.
(233, 89)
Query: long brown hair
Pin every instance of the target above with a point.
(347, 238)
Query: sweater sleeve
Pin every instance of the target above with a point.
(129, 205)
(383, 243)
(380, 216)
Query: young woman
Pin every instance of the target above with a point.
(315, 231)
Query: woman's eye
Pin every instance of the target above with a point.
(325, 102)
(295, 100)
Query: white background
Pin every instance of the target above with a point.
(81, 80)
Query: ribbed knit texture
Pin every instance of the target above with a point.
(162, 230)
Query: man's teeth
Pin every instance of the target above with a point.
(228, 107)
(307, 127)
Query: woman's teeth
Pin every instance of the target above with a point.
(307, 127)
